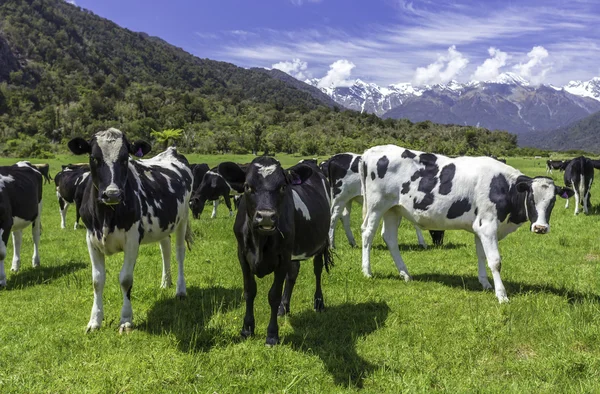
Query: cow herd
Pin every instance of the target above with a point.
(283, 215)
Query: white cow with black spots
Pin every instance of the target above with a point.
(476, 194)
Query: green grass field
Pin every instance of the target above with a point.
(440, 332)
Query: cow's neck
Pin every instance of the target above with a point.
(518, 212)
(262, 252)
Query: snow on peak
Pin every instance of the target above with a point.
(510, 79)
(589, 88)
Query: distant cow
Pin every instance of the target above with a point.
(560, 165)
(20, 206)
(476, 194)
(579, 175)
(283, 217)
(44, 169)
(131, 202)
(344, 180)
(595, 163)
(212, 187)
(70, 184)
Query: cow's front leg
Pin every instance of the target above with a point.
(131, 251)
(98, 280)
(249, 296)
(180, 236)
(214, 212)
(17, 237)
(389, 232)
(319, 304)
(482, 273)
(274, 301)
(228, 204)
(290, 281)
(3, 242)
(165, 250)
(489, 241)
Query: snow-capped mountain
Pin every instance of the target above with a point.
(508, 102)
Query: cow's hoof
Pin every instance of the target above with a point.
(405, 276)
(367, 274)
(503, 299)
(246, 333)
(126, 328)
(3, 284)
(319, 305)
(35, 263)
(283, 310)
(272, 341)
(92, 327)
(486, 285)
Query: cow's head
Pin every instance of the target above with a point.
(199, 198)
(109, 161)
(540, 196)
(266, 185)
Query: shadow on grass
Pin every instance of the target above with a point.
(189, 319)
(471, 283)
(417, 247)
(332, 335)
(30, 276)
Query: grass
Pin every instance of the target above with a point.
(440, 332)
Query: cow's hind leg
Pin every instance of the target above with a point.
(290, 281)
(3, 242)
(389, 232)
(214, 212)
(17, 237)
(369, 226)
(36, 232)
(420, 238)
(336, 213)
(62, 207)
(180, 233)
(228, 203)
(346, 223)
(319, 304)
(481, 269)
(165, 250)
(98, 280)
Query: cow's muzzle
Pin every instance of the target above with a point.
(111, 197)
(265, 220)
(539, 229)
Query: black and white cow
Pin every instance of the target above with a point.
(44, 169)
(579, 175)
(283, 217)
(20, 206)
(560, 165)
(131, 202)
(344, 180)
(595, 163)
(70, 184)
(212, 187)
(476, 194)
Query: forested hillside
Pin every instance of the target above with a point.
(65, 71)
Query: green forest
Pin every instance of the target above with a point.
(66, 72)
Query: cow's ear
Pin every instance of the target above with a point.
(299, 174)
(140, 148)
(232, 172)
(79, 146)
(523, 187)
(564, 192)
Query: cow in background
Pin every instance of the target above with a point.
(70, 184)
(20, 206)
(579, 175)
(44, 169)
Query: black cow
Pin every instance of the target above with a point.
(283, 217)
(20, 206)
(595, 163)
(127, 203)
(198, 171)
(44, 169)
(579, 175)
(70, 184)
(212, 187)
(560, 165)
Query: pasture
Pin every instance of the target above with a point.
(439, 332)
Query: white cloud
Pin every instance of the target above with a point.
(490, 69)
(338, 74)
(296, 68)
(71, 2)
(536, 68)
(443, 70)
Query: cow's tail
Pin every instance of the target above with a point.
(189, 234)
(327, 256)
(362, 171)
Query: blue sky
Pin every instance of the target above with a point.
(380, 41)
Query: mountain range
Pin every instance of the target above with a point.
(509, 102)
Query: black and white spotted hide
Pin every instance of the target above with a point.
(20, 206)
(283, 218)
(476, 194)
(131, 202)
